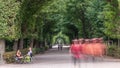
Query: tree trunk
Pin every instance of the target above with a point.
(118, 42)
(45, 42)
(15, 46)
(83, 24)
(2, 50)
(40, 44)
(36, 44)
(21, 42)
(31, 43)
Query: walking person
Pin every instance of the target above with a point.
(60, 46)
(102, 48)
(75, 51)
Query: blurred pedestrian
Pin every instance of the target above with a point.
(60, 46)
(75, 51)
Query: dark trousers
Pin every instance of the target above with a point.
(75, 60)
(59, 47)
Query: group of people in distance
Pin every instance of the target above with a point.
(60, 47)
(19, 55)
(82, 48)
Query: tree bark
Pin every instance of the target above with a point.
(40, 44)
(32, 43)
(21, 43)
(37, 44)
(15, 46)
(2, 50)
(118, 42)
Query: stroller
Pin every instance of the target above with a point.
(27, 59)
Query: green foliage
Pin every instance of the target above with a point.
(43, 19)
(38, 50)
(113, 51)
(56, 11)
(76, 18)
(9, 57)
(93, 13)
(110, 20)
(46, 47)
(117, 28)
(88, 18)
(60, 36)
(54, 6)
(9, 23)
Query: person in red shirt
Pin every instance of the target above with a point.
(75, 51)
(102, 46)
(81, 44)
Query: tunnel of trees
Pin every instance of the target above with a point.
(35, 23)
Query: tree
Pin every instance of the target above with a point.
(9, 19)
(29, 12)
(9, 25)
(110, 16)
(9, 22)
(95, 18)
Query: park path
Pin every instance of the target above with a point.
(61, 59)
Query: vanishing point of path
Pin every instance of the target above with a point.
(62, 59)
